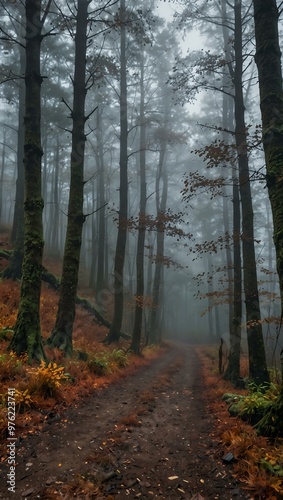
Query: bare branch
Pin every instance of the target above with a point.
(97, 210)
(66, 104)
(91, 113)
(45, 14)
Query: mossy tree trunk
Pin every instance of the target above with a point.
(61, 335)
(137, 330)
(114, 333)
(257, 358)
(268, 60)
(27, 334)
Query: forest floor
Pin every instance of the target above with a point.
(152, 434)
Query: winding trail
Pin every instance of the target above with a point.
(146, 436)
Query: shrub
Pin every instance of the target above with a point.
(99, 366)
(119, 357)
(106, 362)
(23, 400)
(47, 379)
(254, 406)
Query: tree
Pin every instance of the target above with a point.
(139, 298)
(101, 278)
(114, 333)
(268, 60)
(14, 268)
(161, 191)
(27, 333)
(232, 372)
(61, 336)
(257, 359)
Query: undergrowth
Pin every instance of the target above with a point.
(59, 381)
(258, 461)
(107, 362)
(256, 404)
(259, 464)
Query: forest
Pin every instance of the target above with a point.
(141, 220)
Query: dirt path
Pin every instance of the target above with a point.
(147, 436)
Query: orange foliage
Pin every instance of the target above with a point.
(255, 455)
(9, 299)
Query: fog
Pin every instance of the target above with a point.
(179, 49)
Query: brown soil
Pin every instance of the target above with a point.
(149, 435)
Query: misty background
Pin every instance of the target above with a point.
(180, 46)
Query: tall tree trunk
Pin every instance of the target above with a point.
(210, 289)
(27, 334)
(19, 201)
(3, 158)
(61, 336)
(233, 370)
(114, 333)
(139, 297)
(268, 59)
(100, 280)
(227, 124)
(54, 243)
(93, 238)
(159, 265)
(14, 268)
(257, 359)
(149, 282)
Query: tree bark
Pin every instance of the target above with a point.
(139, 297)
(14, 269)
(157, 287)
(233, 370)
(114, 333)
(100, 280)
(268, 60)
(27, 333)
(257, 359)
(61, 336)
